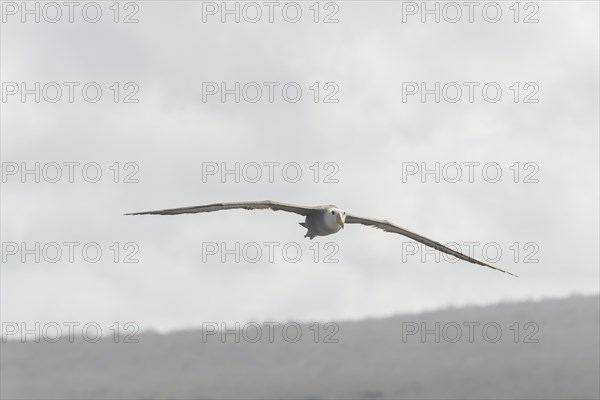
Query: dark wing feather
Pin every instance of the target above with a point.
(389, 227)
(246, 205)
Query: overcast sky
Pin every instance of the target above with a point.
(371, 137)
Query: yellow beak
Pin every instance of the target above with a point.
(340, 221)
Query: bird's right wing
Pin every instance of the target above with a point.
(247, 205)
(389, 227)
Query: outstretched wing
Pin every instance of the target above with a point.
(389, 227)
(246, 205)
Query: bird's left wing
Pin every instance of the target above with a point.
(389, 227)
(247, 205)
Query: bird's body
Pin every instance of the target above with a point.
(320, 221)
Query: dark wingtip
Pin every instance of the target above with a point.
(496, 268)
(503, 270)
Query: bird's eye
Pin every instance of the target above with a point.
(333, 212)
(344, 212)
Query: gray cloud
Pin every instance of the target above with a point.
(369, 134)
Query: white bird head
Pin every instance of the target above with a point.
(335, 217)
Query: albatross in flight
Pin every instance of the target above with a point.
(320, 221)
